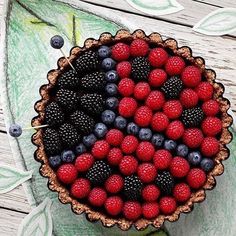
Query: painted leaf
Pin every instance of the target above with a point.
(219, 22)
(156, 8)
(38, 222)
(11, 177)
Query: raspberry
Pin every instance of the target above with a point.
(159, 121)
(67, 173)
(80, 188)
(196, 178)
(157, 77)
(145, 151)
(210, 107)
(132, 210)
(167, 205)
(147, 172)
(155, 100)
(174, 65)
(126, 87)
(128, 165)
(143, 116)
(175, 130)
(114, 156)
(141, 90)
(97, 197)
(162, 159)
(150, 210)
(173, 109)
(211, 126)
(204, 91)
(188, 98)
(120, 52)
(181, 192)
(114, 205)
(100, 149)
(114, 184)
(84, 162)
(179, 167)
(209, 146)
(123, 69)
(129, 144)
(114, 137)
(193, 137)
(157, 57)
(151, 193)
(127, 107)
(139, 48)
(191, 76)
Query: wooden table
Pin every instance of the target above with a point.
(14, 205)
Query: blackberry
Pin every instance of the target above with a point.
(67, 99)
(132, 187)
(68, 80)
(140, 68)
(83, 122)
(51, 141)
(172, 87)
(192, 117)
(93, 81)
(54, 115)
(98, 173)
(68, 135)
(165, 182)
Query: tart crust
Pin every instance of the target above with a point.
(63, 193)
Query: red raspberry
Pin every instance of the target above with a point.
(159, 121)
(179, 167)
(127, 107)
(100, 149)
(147, 172)
(150, 210)
(129, 144)
(209, 146)
(120, 52)
(191, 76)
(157, 77)
(114, 156)
(151, 193)
(67, 173)
(114, 205)
(126, 87)
(167, 205)
(114, 137)
(155, 100)
(145, 151)
(158, 57)
(97, 197)
(143, 116)
(210, 107)
(211, 126)
(204, 91)
(84, 162)
(141, 90)
(196, 178)
(128, 165)
(174, 65)
(132, 210)
(139, 48)
(162, 159)
(188, 98)
(173, 109)
(193, 137)
(114, 184)
(181, 192)
(123, 69)
(80, 188)
(175, 130)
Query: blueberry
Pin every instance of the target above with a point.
(207, 164)
(108, 117)
(104, 52)
(157, 140)
(15, 130)
(68, 156)
(100, 130)
(182, 150)
(145, 134)
(194, 158)
(54, 161)
(79, 149)
(108, 64)
(111, 89)
(132, 128)
(57, 42)
(111, 76)
(112, 103)
(89, 140)
(170, 144)
(120, 122)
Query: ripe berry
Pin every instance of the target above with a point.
(129, 144)
(120, 52)
(157, 78)
(158, 57)
(181, 192)
(114, 137)
(114, 205)
(97, 197)
(57, 42)
(162, 159)
(204, 91)
(138, 48)
(67, 173)
(175, 130)
(84, 162)
(207, 164)
(15, 130)
(114, 184)
(193, 137)
(211, 126)
(147, 172)
(141, 90)
(174, 65)
(100, 149)
(145, 134)
(209, 146)
(80, 188)
(127, 107)
(155, 100)
(108, 117)
(145, 151)
(191, 76)
(179, 167)
(196, 178)
(210, 107)
(126, 87)
(188, 98)
(143, 116)
(123, 69)
(132, 210)
(114, 156)
(128, 165)
(111, 76)
(173, 109)
(159, 122)
(151, 193)
(150, 210)
(120, 122)
(167, 205)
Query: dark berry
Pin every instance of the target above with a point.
(67, 99)
(111, 76)
(170, 144)
(172, 87)
(157, 140)
(15, 130)
(54, 161)
(165, 182)
(89, 140)
(80, 149)
(145, 134)
(140, 68)
(51, 140)
(69, 80)
(94, 81)
(57, 42)
(104, 51)
(132, 187)
(108, 117)
(120, 122)
(192, 117)
(207, 164)
(112, 103)
(132, 128)
(68, 156)
(54, 115)
(182, 150)
(111, 89)
(108, 64)
(100, 130)
(194, 158)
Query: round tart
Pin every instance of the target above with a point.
(137, 134)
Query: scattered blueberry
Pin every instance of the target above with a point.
(145, 134)
(170, 144)
(111, 89)
(111, 76)
(194, 158)
(182, 150)
(89, 140)
(132, 128)
(157, 140)
(54, 161)
(57, 42)
(108, 117)
(112, 103)
(15, 130)
(120, 122)
(108, 64)
(207, 164)
(79, 149)
(104, 52)
(100, 130)
(68, 156)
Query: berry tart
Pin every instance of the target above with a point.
(136, 133)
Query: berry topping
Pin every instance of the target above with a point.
(108, 117)
(126, 87)
(179, 167)
(181, 192)
(114, 205)
(159, 122)
(150, 210)
(129, 144)
(194, 158)
(68, 80)
(133, 128)
(132, 187)
(145, 134)
(120, 52)
(67, 156)
(84, 162)
(207, 164)
(193, 137)
(114, 184)
(182, 150)
(209, 146)
(139, 48)
(127, 106)
(111, 76)
(112, 103)
(151, 193)
(192, 117)
(172, 87)
(191, 76)
(100, 130)
(93, 82)
(155, 100)
(211, 126)
(67, 173)
(175, 130)
(165, 182)
(188, 98)
(97, 197)
(124, 69)
(89, 140)
(108, 64)
(128, 165)
(141, 90)
(51, 141)
(147, 172)
(162, 159)
(80, 188)
(120, 122)
(204, 91)
(211, 108)
(114, 137)
(167, 205)
(157, 77)
(140, 68)
(54, 161)
(132, 210)
(196, 178)
(114, 156)
(67, 99)
(100, 149)
(157, 57)
(143, 116)
(104, 51)
(145, 151)
(174, 65)
(54, 115)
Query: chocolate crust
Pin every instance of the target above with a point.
(63, 193)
